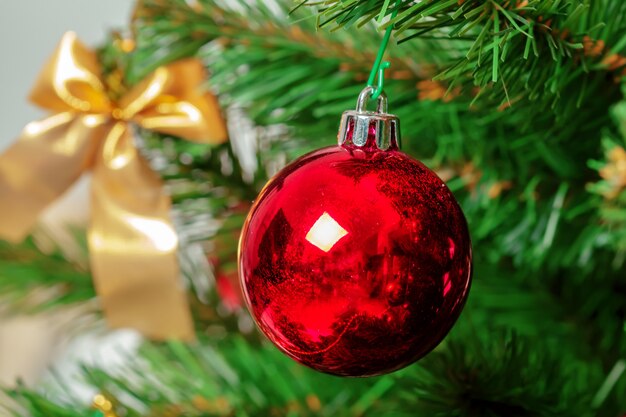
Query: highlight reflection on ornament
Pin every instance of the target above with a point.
(325, 232)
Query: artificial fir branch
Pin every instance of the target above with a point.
(611, 184)
(470, 387)
(184, 23)
(224, 378)
(281, 90)
(468, 375)
(540, 59)
(32, 280)
(233, 27)
(474, 20)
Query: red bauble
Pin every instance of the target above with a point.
(355, 261)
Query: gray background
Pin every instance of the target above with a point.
(29, 32)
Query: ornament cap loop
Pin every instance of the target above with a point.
(368, 130)
(366, 93)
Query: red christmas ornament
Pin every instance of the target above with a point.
(355, 260)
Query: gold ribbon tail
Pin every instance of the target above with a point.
(49, 156)
(133, 243)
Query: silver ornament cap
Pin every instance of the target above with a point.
(366, 129)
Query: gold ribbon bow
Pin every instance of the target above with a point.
(131, 239)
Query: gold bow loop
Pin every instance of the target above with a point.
(131, 238)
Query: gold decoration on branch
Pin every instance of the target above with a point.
(103, 407)
(131, 239)
(614, 172)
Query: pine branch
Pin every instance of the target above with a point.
(536, 56)
(469, 375)
(587, 317)
(32, 281)
(467, 378)
(304, 82)
(612, 185)
(232, 377)
(306, 96)
(489, 27)
(265, 25)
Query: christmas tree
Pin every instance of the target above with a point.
(517, 104)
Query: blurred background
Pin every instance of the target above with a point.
(29, 31)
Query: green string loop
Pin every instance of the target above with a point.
(379, 67)
(380, 82)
